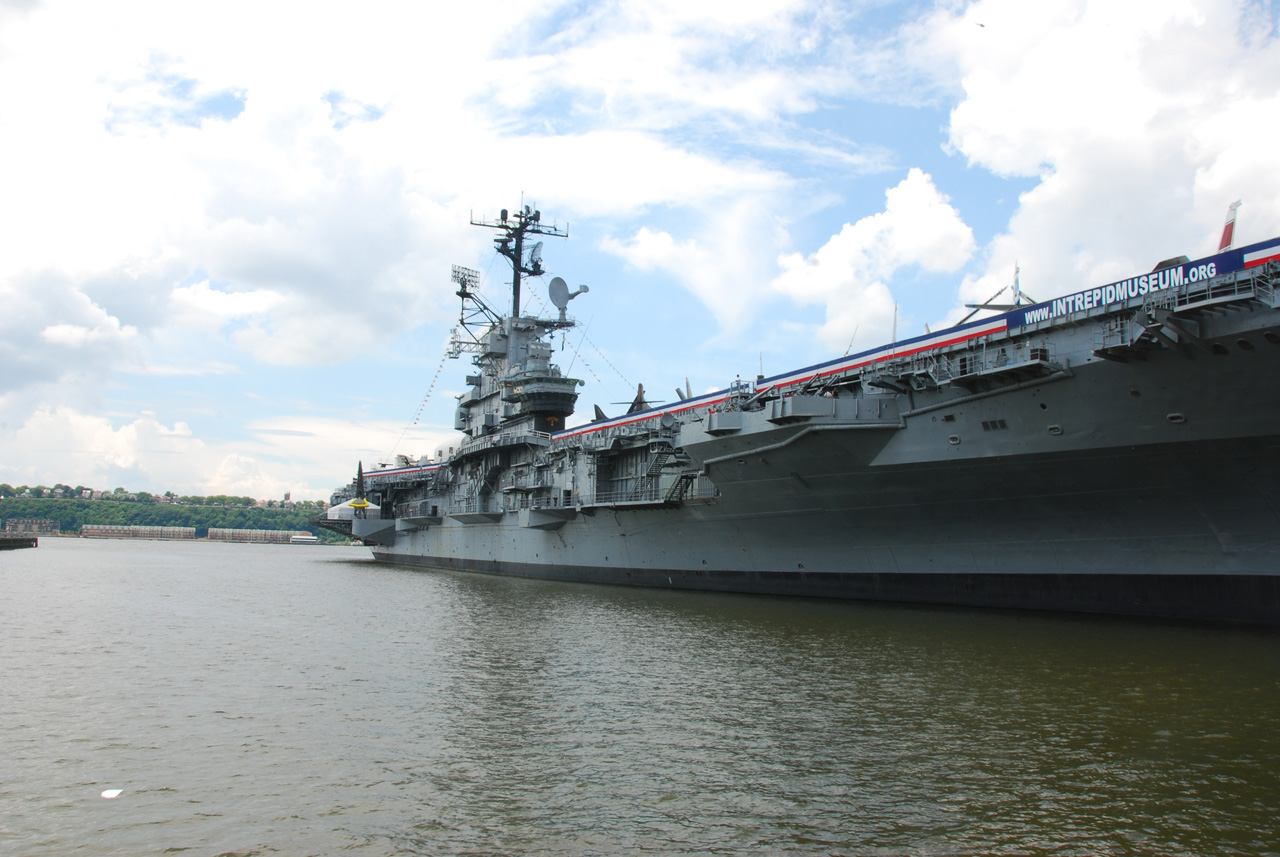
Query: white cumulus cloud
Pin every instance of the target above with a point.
(850, 275)
(1141, 120)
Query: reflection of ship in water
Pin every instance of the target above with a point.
(1115, 450)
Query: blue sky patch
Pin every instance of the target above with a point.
(165, 98)
(344, 111)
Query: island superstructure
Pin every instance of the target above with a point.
(1115, 450)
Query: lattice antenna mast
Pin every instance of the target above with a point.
(475, 312)
(510, 243)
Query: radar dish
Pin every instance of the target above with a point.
(558, 291)
(468, 279)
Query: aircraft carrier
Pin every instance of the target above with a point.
(1116, 450)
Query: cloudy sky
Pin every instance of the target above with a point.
(226, 229)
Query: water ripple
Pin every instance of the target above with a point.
(273, 699)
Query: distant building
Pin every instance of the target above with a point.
(279, 537)
(120, 531)
(32, 526)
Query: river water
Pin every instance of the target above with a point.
(274, 699)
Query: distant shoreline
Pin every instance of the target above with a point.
(71, 514)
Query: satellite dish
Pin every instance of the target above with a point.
(558, 291)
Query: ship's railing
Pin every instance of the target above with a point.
(672, 488)
(1264, 285)
(1115, 332)
(1119, 329)
(418, 509)
(1238, 284)
(478, 444)
(605, 437)
(504, 437)
(984, 357)
(701, 488)
(553, 498)
(378, 479)
(471, 505)
(677, 488)
(526, 480)
(1257, 283)
(646, 494)
(1123, 329)
(405, 484)
(988, 355)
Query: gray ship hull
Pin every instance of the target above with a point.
(1181, 529)
(1115, 451)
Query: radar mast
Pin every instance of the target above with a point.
(510, 243)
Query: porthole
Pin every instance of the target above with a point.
(1220, 349)
(1244, 345)
(1175, 418)
(1043, 406)
(1133, 391)
(953, 439)
(1272, 337)
(1055, 430)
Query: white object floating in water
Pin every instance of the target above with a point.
(110, 793)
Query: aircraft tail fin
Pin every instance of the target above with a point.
(1229, 229)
